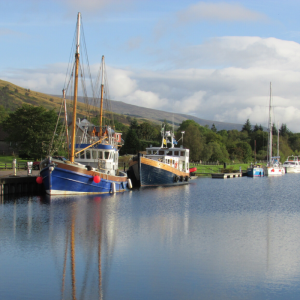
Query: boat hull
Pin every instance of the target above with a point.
(274, 171)
(70, 180)
(147, 172)
(255, 172)
(292, 169)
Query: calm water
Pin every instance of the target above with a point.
(214, 239)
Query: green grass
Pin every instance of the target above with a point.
(208, 169)
(9, 159)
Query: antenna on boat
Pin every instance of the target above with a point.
(72, 155)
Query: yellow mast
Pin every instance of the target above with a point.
(101, 99)
(72, 155)
(66, 121)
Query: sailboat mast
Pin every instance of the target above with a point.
(270, 125)
(278, 140)
(101, 99)
(66, 121)
(72, 155)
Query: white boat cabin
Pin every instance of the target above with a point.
(102, 157)
(177, 158)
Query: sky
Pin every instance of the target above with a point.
(211, 59)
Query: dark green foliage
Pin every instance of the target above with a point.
(131, 144)
(274, 130)
(247, 127)
(213, 128)
(30, 130)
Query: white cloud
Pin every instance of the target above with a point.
(221, 11)
(233, 93)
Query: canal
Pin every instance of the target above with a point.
(213, 239)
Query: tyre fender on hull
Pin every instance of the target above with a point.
(176, 178)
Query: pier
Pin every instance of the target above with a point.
(21, 183)
(226, 175)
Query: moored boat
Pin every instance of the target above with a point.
(255, 171)
(161, 166)
(292, 164)
(72, 177)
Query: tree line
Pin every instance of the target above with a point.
(30, 131)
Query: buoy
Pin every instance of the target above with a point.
(129, 183)
(97, 179)
(39, 180)
(193, 170)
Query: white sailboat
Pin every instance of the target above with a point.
(273, 167)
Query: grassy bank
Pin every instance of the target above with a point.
(208, 169)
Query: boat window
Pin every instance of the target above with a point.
(182, 153)
(161, 152)
(82, 155)
(176, 153)
(170, 161)
(116, 157)
(106, 154)
(169, 153)
(94, 154)
(88, 154)
(100, 155)
(183, 165)
(148, 151)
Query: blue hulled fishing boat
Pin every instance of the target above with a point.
(76, 176)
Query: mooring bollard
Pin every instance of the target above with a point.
(14, 165)
(29, 168)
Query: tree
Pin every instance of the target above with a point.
(274, 130)
(30, 130)
(247, 127)
(284, 131)
(131, 144)
(193, 140)
(3, 114)
(213, 128)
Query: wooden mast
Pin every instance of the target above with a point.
(72, 155)
(66, 121)
(101, 99)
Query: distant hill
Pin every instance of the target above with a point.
(13, 96)
(156, 116)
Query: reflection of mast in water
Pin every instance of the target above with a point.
(70, 242)
(73, 258)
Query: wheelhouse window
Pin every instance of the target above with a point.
(106, 154)
(169, 153)
(149, 152)
(161, 152)
(82, 155)
(176, 153)
(100, 155)
(94, 154)
(88, 154)
(182, 153)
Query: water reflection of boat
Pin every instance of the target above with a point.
(292, 164)
(71, 177)
(161, 166)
